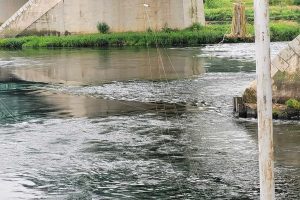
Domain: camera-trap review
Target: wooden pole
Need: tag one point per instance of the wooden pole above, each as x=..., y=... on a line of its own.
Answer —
x=239, y=23
x=264, y=100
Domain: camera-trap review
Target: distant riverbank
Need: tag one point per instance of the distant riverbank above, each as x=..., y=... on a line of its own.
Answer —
x=193, y=36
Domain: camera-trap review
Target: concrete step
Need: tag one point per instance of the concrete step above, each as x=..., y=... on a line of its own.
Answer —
x=26, y=16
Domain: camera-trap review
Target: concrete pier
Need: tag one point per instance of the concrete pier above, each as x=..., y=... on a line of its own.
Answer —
x=9, y=7
x=285, y=72
x=80, y=17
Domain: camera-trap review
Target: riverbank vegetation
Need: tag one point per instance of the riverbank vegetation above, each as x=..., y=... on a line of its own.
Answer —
x=193, y=36
x=224, y=14
x=220, y=11
x=284, y=15
x=284, y=27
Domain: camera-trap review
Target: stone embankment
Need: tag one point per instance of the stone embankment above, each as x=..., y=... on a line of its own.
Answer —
x=285, y=72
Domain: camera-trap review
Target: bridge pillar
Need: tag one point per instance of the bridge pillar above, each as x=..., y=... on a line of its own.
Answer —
x=79, y=17
x=9, y=7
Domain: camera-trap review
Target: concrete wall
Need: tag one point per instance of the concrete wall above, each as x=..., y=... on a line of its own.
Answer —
x=9, y=7
x=285, y=74
x=26, y=16
x=77, y=16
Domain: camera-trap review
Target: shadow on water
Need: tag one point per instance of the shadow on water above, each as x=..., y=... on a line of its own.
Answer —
x=22, y=101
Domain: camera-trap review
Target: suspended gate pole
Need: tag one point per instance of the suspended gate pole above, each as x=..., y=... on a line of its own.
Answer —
x=264, y=100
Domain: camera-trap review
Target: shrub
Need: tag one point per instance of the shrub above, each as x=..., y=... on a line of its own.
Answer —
x=293, y=103
x=103, y=27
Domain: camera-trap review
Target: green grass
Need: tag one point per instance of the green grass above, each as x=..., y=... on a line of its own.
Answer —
x=276, y=13
x=189, y=37
x=284, y=31
x=221, y=10
x=228, y=3
x=216, y=11
x=284, y=15
x=209, y=34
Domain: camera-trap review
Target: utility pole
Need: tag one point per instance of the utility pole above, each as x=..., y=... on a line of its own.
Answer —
x=264, y=100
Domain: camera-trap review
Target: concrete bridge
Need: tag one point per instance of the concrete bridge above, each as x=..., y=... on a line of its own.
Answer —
x=58, y=17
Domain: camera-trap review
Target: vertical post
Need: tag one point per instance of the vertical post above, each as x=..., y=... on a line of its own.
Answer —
x=239, y=23
x=264, y=100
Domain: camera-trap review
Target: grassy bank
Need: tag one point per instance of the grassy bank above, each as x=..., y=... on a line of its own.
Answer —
x=221, y=10
x=193, y=36
x=224, y=14
x=284, y=27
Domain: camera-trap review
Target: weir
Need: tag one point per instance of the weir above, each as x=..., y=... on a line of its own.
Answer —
x=59, y=17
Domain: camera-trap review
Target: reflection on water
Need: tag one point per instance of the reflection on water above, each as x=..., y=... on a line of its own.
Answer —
x=139, y=139
x=84, y=67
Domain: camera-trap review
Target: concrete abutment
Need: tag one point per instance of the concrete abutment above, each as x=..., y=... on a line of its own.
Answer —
x=81, y=17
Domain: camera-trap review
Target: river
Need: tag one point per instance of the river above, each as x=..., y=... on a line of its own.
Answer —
x=135, y=123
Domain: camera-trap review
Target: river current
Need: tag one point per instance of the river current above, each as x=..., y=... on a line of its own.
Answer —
x=135, y=123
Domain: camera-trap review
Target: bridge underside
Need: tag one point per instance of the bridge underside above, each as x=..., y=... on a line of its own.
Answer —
x=77, y=16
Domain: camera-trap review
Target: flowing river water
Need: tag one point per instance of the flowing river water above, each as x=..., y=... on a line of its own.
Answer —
x=135, y=124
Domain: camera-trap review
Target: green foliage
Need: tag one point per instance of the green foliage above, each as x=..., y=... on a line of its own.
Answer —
x=284, y=2
x=293, y=103
x=284, y=31
x=276, y=13
x=217, y=3
x=228, y=3
x=296, y=2
x=195, y=27
x=103, y=27
x=208, y=34
x=14, y=43
x=218, y=14
x=193, y=36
